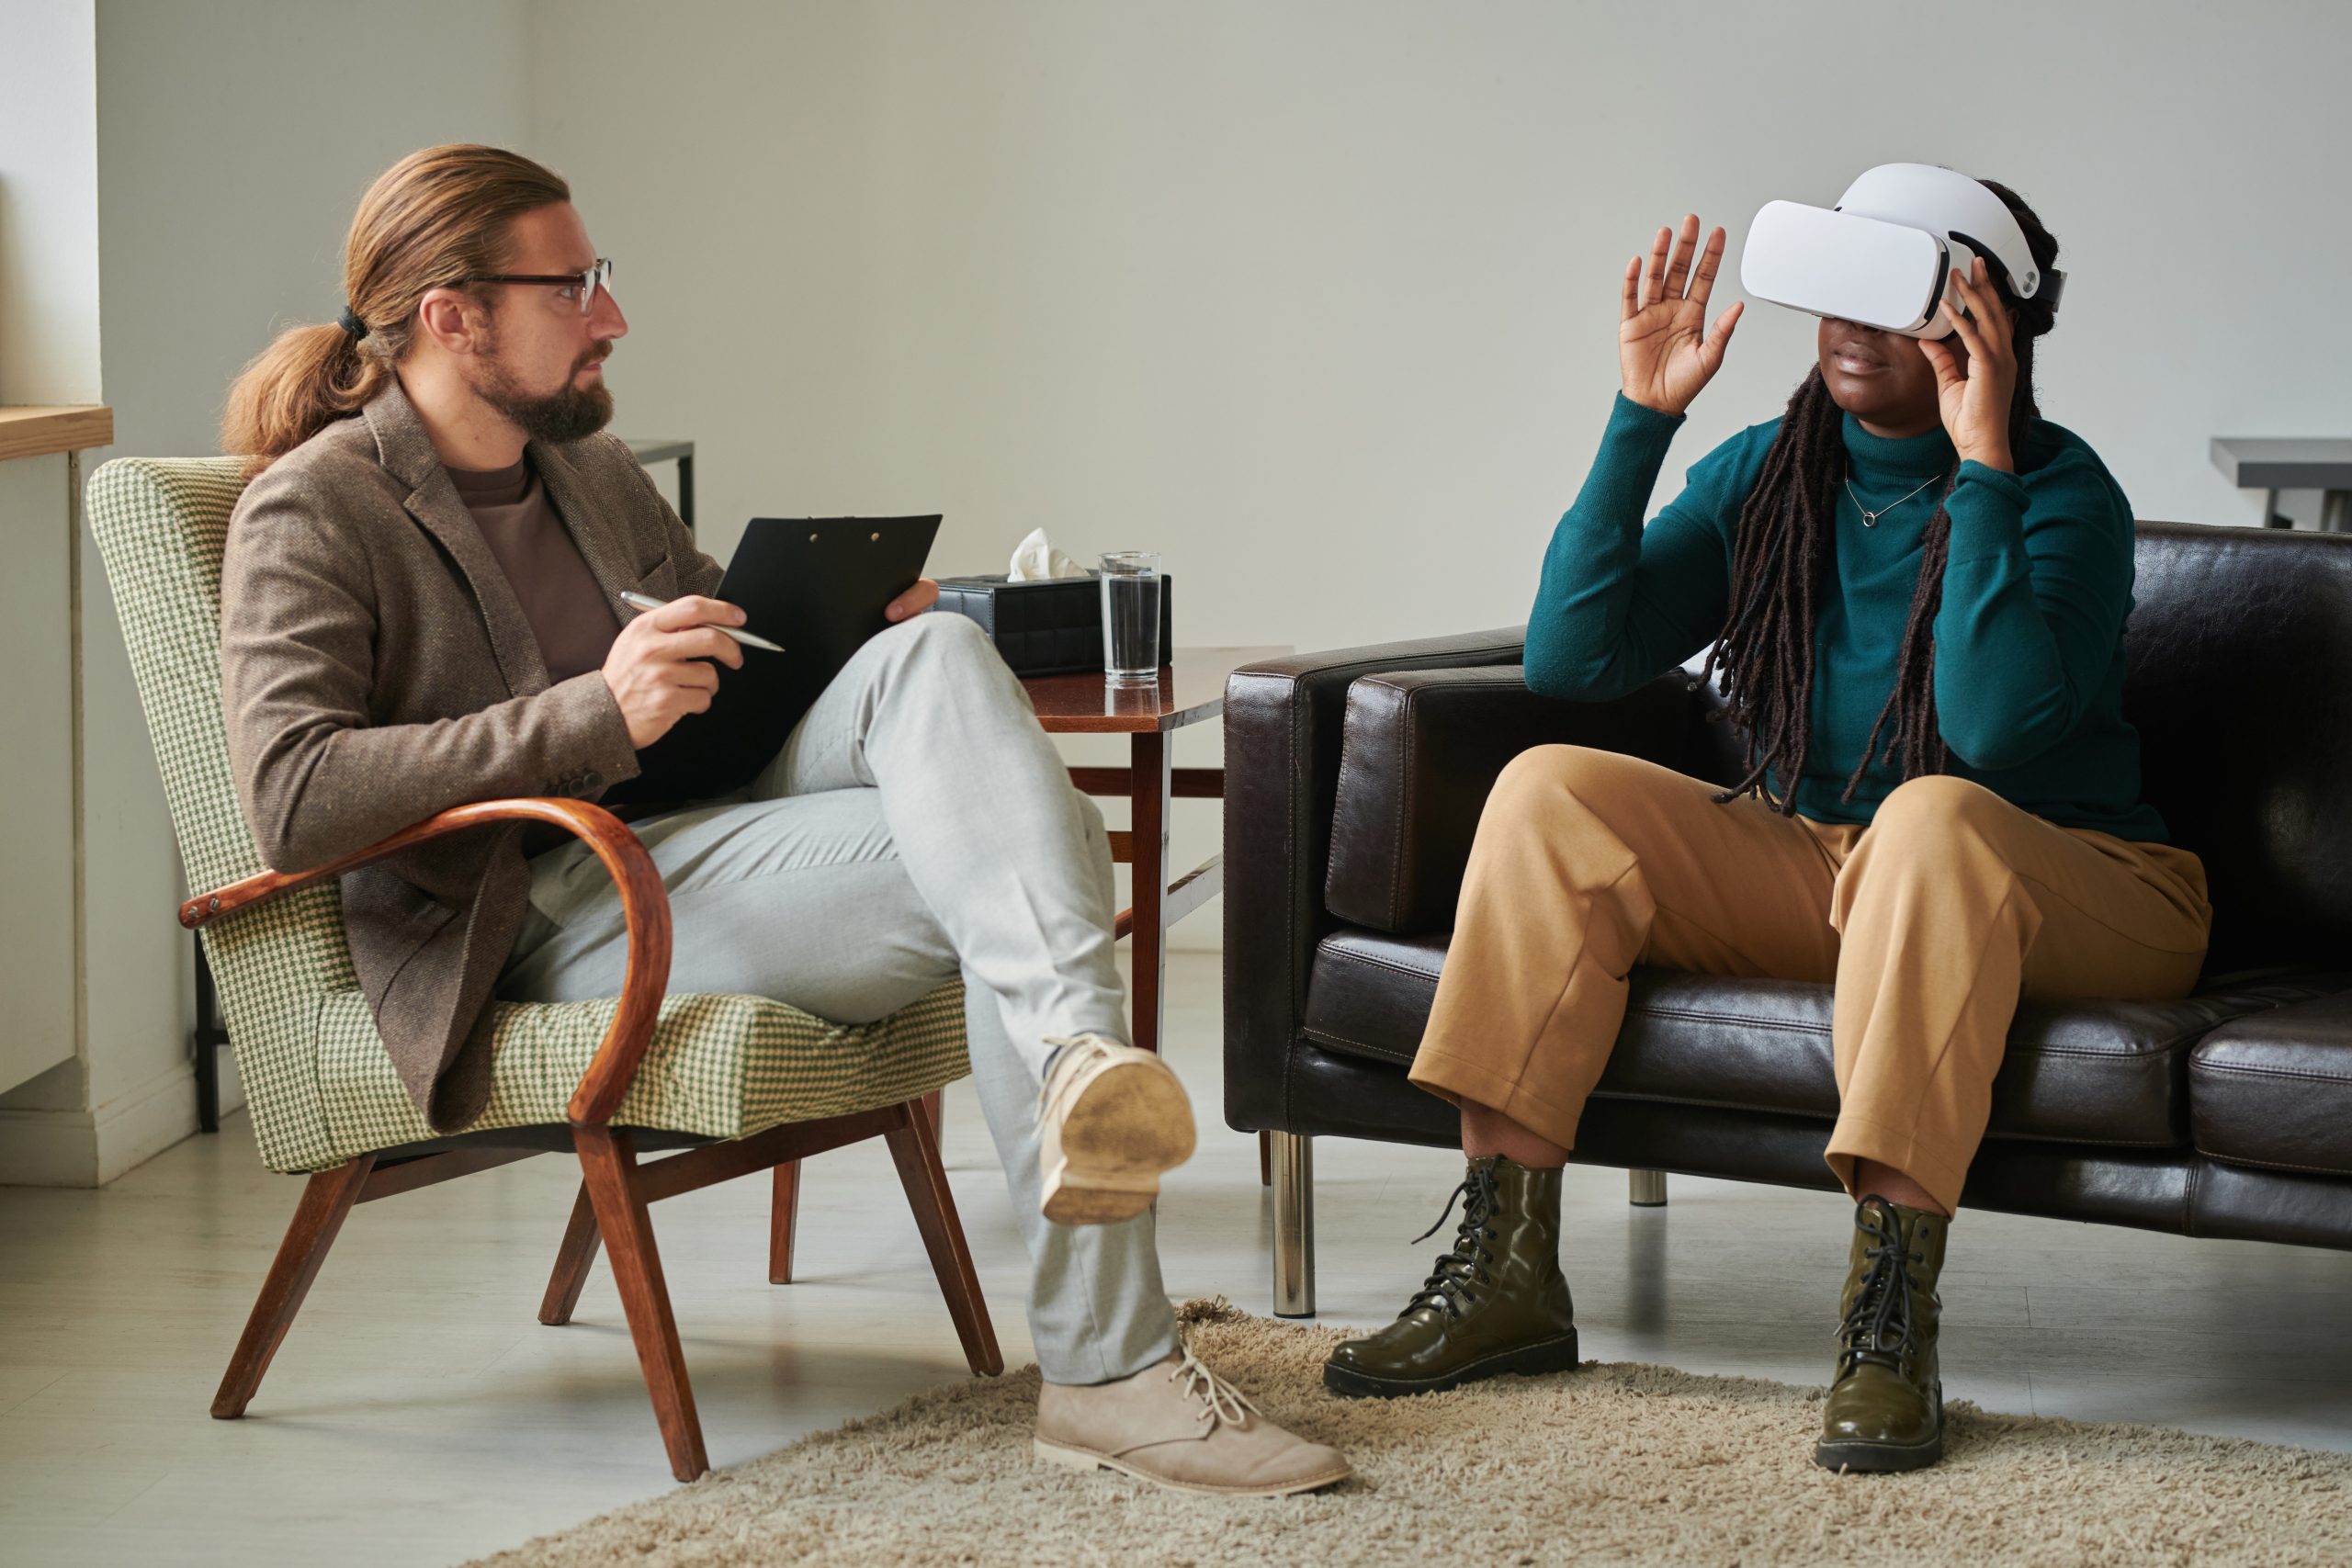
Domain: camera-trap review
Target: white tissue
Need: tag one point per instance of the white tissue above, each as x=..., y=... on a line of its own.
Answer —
x=1036, y=557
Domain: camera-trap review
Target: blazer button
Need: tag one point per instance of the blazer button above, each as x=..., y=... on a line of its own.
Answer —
x=591, y=781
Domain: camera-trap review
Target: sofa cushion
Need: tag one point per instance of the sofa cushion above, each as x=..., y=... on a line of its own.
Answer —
x=2076, y=1072
x=2276, y=1089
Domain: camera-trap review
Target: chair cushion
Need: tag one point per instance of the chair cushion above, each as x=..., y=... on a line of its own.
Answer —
x=2078, y=1072
x=720, y=1067
x=2276, y=1089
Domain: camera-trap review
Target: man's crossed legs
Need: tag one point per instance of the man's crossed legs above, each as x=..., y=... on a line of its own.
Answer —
x=918, y=826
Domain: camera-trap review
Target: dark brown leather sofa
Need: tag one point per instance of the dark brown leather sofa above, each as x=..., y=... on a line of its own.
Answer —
x=1353, y=785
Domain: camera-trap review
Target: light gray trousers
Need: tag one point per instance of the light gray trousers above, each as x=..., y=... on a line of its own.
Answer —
x=917, y=825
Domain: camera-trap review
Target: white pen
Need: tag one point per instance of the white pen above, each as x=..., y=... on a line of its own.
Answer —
x=647, y=601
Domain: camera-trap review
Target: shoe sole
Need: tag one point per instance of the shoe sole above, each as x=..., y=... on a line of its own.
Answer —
x=1531, y=1360
x=1882, y=1459
x=1088, y=1460
x=1132, y=1123
x=1878, y=1459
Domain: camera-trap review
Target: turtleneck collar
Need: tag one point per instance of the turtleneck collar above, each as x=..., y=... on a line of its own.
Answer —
x=1913, y=457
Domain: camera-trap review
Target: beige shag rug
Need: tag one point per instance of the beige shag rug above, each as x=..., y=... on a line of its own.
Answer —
x=1613, y=1464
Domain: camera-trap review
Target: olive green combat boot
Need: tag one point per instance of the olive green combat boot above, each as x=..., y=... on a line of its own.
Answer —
x=1496, y=1303
x=1886, y=1408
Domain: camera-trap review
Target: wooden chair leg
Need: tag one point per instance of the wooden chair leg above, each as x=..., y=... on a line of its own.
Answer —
x=573, y=1261
x=782, y=1213
x=608, y=1162
x=326, y=1202
x=1265, y=1159
x=914, y=1147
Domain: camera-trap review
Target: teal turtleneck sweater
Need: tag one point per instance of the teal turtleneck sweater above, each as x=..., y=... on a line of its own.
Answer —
x=2029, y=666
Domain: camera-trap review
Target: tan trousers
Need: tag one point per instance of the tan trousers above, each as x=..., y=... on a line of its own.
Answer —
x=1931, y=920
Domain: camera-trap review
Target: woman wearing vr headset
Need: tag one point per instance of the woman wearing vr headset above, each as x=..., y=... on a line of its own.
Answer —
x=1916, y=587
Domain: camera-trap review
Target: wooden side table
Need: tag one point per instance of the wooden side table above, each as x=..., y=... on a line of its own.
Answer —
x=1190, y=689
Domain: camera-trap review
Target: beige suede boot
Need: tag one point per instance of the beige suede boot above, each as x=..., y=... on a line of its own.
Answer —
x=1110, y=1118
x=1178, y=1425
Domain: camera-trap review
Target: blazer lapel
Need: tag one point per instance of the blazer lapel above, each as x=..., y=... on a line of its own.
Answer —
x=407, y=454
x=609, y=560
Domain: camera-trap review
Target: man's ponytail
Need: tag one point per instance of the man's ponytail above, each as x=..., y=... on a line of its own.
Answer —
x=433, y=219
x=296, y=387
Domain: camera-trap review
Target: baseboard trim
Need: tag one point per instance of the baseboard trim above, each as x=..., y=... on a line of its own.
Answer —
x=85, y=1149
x=48, y=1148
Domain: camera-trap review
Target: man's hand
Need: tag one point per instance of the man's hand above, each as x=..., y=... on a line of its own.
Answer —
x=656, y=670
x=913, y=601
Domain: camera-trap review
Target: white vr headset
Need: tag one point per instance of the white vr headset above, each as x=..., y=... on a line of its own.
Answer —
x=1883, y=256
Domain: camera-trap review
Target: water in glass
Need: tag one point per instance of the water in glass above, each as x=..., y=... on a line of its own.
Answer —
x=1131, y=615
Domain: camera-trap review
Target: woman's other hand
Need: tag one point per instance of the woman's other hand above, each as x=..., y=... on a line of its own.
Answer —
x=1974, y=390
x=1664, y=349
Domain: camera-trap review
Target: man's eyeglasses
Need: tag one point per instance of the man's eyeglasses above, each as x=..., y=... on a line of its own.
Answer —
x=582, y=284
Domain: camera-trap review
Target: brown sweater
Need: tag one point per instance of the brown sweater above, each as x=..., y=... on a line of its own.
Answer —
x=560, y=599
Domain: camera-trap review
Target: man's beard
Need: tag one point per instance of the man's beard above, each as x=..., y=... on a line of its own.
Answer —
x=569, y=413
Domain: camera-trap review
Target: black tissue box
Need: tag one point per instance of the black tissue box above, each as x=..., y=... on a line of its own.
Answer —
x=1049, y=626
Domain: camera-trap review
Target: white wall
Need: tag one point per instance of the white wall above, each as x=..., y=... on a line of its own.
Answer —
x=1318, y=297
x=49, y=352
x=48, y=203
x=234, y=140
x=232, y=143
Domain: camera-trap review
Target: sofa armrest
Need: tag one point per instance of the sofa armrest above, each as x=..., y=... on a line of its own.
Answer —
x=1420, y=752
x=1282, y=720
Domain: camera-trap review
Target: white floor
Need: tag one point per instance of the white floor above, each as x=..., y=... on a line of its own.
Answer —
x=418, y=1414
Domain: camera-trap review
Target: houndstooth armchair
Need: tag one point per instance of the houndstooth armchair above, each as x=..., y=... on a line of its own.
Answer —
x=739, y=1083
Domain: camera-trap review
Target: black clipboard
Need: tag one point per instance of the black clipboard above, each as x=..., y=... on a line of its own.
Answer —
x=816, y=585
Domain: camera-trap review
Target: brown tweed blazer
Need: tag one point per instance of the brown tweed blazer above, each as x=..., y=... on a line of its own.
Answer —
x=377, y=667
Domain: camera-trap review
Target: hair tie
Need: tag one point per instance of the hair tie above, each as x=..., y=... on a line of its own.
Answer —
x=353, y=324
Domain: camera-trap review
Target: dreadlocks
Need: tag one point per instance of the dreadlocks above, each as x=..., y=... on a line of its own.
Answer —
x=1783, y=549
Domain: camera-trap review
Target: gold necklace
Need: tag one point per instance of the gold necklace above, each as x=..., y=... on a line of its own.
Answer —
x=1870, y=518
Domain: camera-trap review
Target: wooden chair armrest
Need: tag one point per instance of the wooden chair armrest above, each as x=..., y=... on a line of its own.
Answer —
x=645, y=909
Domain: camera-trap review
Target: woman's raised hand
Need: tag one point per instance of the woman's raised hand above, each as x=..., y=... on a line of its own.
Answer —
x=1664, y=349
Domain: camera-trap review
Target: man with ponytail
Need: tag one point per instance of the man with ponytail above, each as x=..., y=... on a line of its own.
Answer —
x=420, y=608
x=1909, y=552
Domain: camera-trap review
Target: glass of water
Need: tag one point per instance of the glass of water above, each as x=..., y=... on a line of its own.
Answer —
x=1131, y=616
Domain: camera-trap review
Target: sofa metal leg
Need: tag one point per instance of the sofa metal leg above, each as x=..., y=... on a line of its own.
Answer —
x=1294, y=1160
x=1648, y=1188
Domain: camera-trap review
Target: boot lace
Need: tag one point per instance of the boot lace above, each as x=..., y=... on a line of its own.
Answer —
x=1467, y=1264
x=1881, y=1327
x=1221, y=1401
